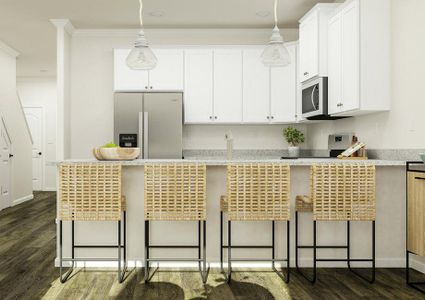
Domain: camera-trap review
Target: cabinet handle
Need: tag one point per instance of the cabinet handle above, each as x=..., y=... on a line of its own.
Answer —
x=268, y=117
x=272, y=117
x=305, y=73
x=215, y=117
x=211, y=117
x=151, y=87
x=420, y=178
x=146, y=87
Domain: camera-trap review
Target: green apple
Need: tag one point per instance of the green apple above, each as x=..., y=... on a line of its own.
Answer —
x=110, y=145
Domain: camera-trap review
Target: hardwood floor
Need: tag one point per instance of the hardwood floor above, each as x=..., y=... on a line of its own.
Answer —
x=27, y=252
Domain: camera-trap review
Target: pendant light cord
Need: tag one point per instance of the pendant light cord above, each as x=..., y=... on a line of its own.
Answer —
x=141, y=12
x=275, y=13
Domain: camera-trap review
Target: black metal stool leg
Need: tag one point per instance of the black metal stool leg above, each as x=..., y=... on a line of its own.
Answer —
x=64, y=277
x=122, y=271
x=221, y=241
x=147, y=267
x=297, y=247
x=229, y=251
x=372, y=279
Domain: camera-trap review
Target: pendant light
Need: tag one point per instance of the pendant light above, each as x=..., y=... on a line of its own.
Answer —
x=276, y=54
x=141, y=56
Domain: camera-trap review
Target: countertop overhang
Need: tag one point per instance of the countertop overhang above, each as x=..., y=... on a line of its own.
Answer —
x=224, y=162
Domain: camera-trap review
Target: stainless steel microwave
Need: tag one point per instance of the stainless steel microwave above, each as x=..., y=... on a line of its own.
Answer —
x=315, y=98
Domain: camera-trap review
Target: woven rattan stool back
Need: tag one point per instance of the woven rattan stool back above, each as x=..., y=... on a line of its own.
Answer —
x=258, y=192
x=175, y=192
x=343, y=192
x=90, y=192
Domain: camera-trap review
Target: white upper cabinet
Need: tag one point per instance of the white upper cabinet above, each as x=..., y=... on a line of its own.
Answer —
x=198, y=85
x=168, y=73
x=256, y=88
x=227, y=86
x=313, y=41
x=335, y=61
x=126, y=79
x=359, y=58
x=283, y=90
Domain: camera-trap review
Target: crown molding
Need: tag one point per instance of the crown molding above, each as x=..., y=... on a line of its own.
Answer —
x=65, y=24
x=8, y=50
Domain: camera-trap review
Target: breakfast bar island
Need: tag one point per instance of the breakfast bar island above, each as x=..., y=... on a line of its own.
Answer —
x=390, y=219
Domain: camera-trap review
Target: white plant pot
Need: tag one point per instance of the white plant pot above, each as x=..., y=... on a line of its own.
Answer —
x=293, y=151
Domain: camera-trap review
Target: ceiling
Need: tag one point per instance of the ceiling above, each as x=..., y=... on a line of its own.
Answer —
x=25, y=26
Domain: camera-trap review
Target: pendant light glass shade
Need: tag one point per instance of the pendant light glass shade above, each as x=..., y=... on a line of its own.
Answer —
x=141, y=56
x=276, y=54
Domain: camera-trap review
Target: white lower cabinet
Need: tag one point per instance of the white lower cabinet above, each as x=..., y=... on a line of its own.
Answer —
x=198, y=86
x=256, y=88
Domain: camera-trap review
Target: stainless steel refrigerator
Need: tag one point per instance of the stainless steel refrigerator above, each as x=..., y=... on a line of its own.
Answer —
x=151, y=121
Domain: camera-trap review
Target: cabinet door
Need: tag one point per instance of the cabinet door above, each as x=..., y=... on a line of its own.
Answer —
x=227, y=86
x=198, y=86
x=283, y=90
x=416, y=212
x=168, y=73
x=334, y=65
x=309, y=47
x=350, y=57
x=256, y=88
x=126, y=79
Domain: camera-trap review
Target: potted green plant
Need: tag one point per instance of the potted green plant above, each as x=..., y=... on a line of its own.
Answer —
x=293, y=137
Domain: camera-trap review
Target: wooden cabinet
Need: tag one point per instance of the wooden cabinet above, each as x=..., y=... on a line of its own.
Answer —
x=359, y=74
x=283, y=90
x=198, y=86
x=167, y=75
x=227, y=86
x=313, y=41
x=416, y=212
x=256, y=88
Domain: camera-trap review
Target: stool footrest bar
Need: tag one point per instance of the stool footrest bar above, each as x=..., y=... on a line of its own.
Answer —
x=173, y=259
x=321, y=247
x=97, y=246
x=257, y=259
x=174, y=246
x=249, y=246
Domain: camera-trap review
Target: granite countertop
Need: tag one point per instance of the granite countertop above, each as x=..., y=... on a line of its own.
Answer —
x=222, y=162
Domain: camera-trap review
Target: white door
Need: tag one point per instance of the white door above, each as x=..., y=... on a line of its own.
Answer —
x=227, y=86
x=334, y=64
x=309, y=47
x=256, y=88
x=283, y=89
x=5, y=166
x=198, y=86
x=126, y=79
x=350, y=57
x=34, y=117
x=168, y=73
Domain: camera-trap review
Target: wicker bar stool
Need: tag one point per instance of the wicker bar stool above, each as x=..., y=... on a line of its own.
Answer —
x=176, y=192
x=91, y=192
x=339, y=192
x=255, y=192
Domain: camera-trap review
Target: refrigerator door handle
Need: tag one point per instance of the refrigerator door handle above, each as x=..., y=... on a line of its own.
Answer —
x=145, y=135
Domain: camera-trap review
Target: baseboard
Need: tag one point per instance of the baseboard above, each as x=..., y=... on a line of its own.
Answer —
x=380, y=263
x=49, y=189
x=22, y=200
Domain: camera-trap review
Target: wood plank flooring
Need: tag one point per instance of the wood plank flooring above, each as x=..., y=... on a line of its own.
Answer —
x=27, y=253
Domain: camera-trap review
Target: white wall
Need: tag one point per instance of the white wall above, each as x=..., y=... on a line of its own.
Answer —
x=21, y=178
x=92, y=87
x=41, y=92
x=402, y=127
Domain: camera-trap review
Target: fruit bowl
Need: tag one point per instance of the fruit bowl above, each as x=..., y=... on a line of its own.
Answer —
x=116, y=153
